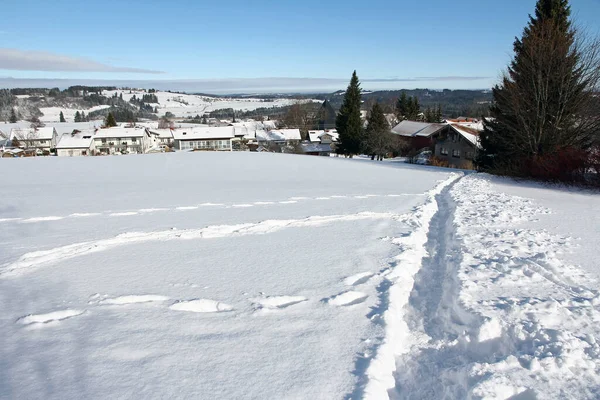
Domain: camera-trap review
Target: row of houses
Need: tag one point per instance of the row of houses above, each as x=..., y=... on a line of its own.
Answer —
x=139, y=139
x=454, y=142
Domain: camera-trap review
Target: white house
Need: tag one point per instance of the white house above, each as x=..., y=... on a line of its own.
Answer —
x=204, y=138
x=279, y=136
x=42, y=139
x=76, y=144
x=323, y=136
x=161, y=137
x=122, y=140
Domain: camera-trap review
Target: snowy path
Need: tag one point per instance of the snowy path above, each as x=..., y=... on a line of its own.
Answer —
x=494, y=312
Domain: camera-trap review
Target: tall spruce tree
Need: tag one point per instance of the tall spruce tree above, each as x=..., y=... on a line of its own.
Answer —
x=402, y=107
x=13, y=116
x=62, y=117
x=377, y=134
x=110, y=120
x=348, y=122
x=538, y=115
x=77, y=117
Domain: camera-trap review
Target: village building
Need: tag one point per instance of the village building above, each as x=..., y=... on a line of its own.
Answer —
x=419, y=135
x=204, y=138
x=122, y=140
x=316, y=149
x=76, y=144
x=161, y=137
x=42, y=140
x=458, y=146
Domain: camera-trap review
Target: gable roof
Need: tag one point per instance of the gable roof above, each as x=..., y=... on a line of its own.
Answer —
x=203, y=133
x=43, y=133
x=162, y=133
x=290, y=134
x=469, y=133
x=79, y=140
x=417, y=129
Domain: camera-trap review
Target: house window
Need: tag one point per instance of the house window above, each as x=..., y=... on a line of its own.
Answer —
x=444, y=151
x=456, y=153
x=133, y=140
x=469, y=155
x=103, y=140
x=42, y=142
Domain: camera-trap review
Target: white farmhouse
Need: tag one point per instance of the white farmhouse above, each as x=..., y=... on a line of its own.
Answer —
x=122, y=140
x=204, y=138
x=161, y=137
x=76, y=144
x=42, y=139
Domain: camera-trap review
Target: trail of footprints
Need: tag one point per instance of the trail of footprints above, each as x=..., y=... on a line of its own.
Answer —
x=146, y=211
x=261, y=304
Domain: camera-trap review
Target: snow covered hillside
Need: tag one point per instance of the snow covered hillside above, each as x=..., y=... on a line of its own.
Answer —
x=188, y=106
x=253, y=275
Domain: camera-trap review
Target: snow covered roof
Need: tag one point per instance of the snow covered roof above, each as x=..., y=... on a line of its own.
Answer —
x=287, y=134
x=270, y=136
x=120, y=132
x=162, y=133
x=68, y=127
x=469, y=133
x=314, y=136
x=80, y=140
x=222, y=132
x=43, y=133
x=417, y=129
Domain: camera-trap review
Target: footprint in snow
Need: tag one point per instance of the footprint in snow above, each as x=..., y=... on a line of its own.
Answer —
x=348, y=298
x=133, y=299
x=49, y=319
x=358, y=279
x=277, y=302
x=201, y=306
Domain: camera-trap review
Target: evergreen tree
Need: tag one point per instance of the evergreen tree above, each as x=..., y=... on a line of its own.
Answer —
x=414, y=109
x=402, y=107
x=110, y=121
x=438, y=114
x=62, y=117
x=13, y=116
x=540, y=111
x=348, y=122
x=77, y=117
x=377, y=135
x=83, y=117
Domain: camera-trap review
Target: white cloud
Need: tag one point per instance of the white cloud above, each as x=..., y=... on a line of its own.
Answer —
x=22, y=60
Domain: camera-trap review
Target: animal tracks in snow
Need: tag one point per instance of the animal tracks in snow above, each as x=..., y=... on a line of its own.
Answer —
x=133, y=299
x=348, y=298
x=358, y=279
x=277, y=302
x=195, y=207
x=201, y=306
x=52, y=318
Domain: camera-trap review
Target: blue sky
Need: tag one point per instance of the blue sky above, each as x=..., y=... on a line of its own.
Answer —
x=391, y=43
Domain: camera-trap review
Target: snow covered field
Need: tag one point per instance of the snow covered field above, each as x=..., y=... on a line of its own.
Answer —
x=52, y=114
x=188, y=105
x=251, y=275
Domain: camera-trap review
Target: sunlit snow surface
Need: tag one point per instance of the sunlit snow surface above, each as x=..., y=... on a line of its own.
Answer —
x=267, y=276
